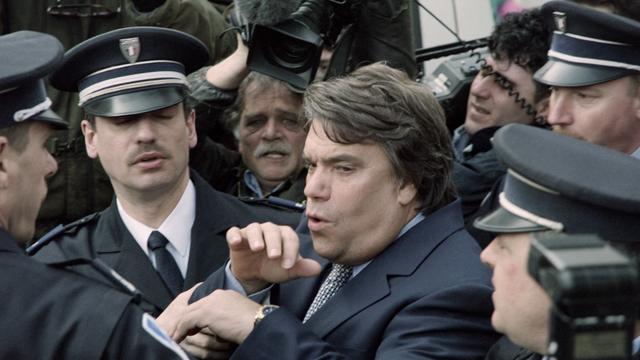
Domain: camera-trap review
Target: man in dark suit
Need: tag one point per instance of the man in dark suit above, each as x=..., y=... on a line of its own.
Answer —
x=388, y=252
x=48, y=312
x=164, y=230
x=560, y=184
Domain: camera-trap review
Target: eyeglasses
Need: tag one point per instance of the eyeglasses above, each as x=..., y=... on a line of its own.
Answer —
x=82, y=10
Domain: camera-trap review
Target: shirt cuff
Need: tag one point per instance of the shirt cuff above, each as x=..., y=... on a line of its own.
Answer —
x=231, y=283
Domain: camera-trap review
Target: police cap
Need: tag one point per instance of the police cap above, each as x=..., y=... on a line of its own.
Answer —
x=589, y=46
x=27, y=57
x=131, y=70
x=555, y=182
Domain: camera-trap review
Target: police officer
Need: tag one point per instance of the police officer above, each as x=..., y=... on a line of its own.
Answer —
x=594, y=73
x=81, y=186
x=554, y=183
x=49, y=312
x=165, y=229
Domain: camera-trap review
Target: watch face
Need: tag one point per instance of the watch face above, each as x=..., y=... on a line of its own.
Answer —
x=264, y=311
x=267, y=309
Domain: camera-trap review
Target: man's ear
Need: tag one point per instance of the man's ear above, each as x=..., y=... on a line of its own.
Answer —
x=636, y=103
x=191, y=128
x=4, y=147
x=90, y=139
x=407, y=193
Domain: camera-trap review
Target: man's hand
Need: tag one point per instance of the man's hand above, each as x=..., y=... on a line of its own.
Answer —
x=229, y=73
x=267, y=253
x=206, y=345
x=170, y=317
x=225, y=313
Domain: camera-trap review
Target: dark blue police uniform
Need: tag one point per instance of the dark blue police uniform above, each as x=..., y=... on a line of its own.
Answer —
x=49, y=312
x=132, y=71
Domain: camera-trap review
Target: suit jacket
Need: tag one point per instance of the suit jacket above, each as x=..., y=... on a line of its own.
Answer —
x=426, y=296
x=504, y=349
x=106, y=237
x=49, y=313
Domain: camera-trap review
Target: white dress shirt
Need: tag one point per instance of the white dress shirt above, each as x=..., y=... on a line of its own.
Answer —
x=176, y=228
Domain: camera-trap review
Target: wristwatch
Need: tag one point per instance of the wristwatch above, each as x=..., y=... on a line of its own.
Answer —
x=263, y=311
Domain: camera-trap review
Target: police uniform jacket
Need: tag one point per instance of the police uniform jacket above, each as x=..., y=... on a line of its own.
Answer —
x=105, y=236
x=50, y=313
x=426, y=296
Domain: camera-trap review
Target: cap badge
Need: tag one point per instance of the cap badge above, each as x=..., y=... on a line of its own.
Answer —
x=560, y=20
x=130, y=49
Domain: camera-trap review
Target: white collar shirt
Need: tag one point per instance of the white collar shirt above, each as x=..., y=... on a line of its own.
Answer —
x=176, y=228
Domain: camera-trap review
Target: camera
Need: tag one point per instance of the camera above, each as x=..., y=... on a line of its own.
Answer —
x=594, y=290
x=290, y=50
x=451, y=81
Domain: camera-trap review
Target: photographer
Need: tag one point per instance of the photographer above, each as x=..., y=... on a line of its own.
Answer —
x=288, y=44
x=518, y=48
x=265, y=117
x=553, y=183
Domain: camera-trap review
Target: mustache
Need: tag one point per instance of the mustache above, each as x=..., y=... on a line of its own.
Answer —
x=279, y=147
x=133, y=157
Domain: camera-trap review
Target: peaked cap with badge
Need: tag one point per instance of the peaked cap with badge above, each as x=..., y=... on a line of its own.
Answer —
x=589, y=46
x=555, y=182
x=131, y=70
x=27, y=57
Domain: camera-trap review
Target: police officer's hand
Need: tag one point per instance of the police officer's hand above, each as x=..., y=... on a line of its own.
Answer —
x=206, y=345
x=225, y=313
x=267, y=253
x=169, y=318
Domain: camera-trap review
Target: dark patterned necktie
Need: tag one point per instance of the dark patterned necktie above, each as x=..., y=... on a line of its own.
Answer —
x=338, y=276
x=165, y=263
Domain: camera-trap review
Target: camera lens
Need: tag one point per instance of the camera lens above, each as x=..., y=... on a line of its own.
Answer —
x=290, y=53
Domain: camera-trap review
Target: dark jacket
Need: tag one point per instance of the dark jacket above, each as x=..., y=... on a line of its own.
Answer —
x=476, y=168
x=105, y=236
x=425, y=296
x=504, y=349
x=49, y=313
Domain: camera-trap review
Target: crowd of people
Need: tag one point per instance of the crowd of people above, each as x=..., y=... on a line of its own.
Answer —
x=211, y=211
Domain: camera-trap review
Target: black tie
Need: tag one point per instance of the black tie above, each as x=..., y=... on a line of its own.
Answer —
x=165, y=263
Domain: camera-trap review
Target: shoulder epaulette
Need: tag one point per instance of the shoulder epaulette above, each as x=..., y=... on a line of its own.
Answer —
x=70, y=227
x=53, y=233
x=275, y=202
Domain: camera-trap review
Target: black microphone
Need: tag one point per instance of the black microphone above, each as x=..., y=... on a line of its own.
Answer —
x=266, y=12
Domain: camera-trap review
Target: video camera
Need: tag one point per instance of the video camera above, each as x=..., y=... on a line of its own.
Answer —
x=288, y=46
x=595, y=292
x=451, y=81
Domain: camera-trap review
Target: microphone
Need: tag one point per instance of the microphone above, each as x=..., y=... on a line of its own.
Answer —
x=266, y=12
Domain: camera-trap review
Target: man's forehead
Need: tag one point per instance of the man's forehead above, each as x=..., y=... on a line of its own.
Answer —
x=319, y=147
x=509, y=67
x=270, y=90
